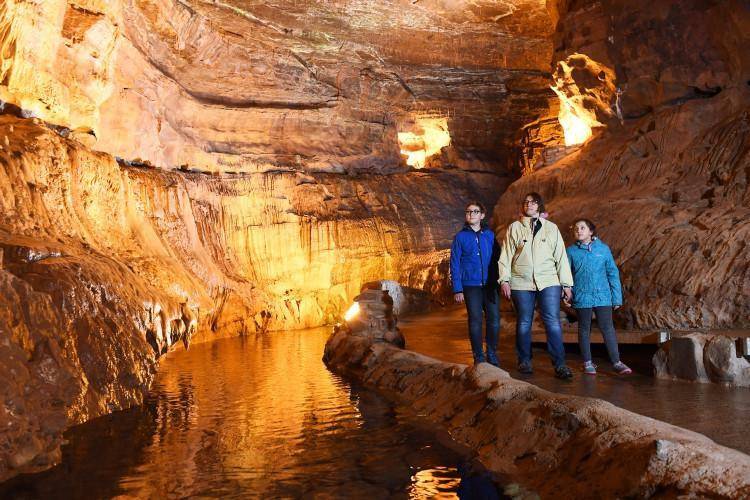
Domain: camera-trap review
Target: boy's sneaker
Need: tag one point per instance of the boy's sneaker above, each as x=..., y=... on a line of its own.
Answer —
x=589, y=368
x=525, y=368
x=622, y=369
x=563, y=372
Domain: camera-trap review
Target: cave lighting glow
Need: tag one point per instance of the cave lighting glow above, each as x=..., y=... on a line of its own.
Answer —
x=352, y=312
x=426, y=139
x=576, y=123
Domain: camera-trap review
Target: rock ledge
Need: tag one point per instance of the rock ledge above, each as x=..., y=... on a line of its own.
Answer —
x=547, y=442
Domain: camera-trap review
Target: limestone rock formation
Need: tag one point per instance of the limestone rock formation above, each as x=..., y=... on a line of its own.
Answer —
x=547, y=442
x=702, y=358
x=105, y=266
x=669, y=188
x=253, y=86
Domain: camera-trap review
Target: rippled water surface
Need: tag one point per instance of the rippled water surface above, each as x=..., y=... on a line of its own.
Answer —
x=253, y=417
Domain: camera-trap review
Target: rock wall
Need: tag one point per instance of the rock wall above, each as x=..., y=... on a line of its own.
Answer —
x=702, y=358
x=549, y=443
x=254, y=86
x=668, y=184
x=105, y=266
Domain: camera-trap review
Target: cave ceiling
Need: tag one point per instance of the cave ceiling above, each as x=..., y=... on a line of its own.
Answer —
x=308, y=85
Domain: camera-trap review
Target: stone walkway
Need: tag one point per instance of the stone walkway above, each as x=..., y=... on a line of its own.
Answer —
x=713, y=410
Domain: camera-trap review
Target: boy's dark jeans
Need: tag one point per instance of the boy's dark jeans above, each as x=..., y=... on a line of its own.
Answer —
x=483, y=300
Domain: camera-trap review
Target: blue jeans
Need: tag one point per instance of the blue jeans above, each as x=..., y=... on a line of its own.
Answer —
x=479, y=299
x=549, y=304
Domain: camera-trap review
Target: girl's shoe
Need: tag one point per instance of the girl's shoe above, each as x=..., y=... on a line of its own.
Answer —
x=621, y=368
x=589, y=368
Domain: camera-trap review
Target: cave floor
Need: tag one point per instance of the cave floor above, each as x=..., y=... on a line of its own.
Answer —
x=716, y=411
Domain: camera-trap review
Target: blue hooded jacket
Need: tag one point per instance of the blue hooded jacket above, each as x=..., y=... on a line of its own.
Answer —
x=471, y=257
x=595, y=274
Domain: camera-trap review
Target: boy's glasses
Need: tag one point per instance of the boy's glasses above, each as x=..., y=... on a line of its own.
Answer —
x=473, y=212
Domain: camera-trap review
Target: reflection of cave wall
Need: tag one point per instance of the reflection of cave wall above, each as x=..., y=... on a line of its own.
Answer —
x=668, y=187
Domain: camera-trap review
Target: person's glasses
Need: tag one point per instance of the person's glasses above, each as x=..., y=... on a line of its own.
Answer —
x=473, y=212
x=530, y=202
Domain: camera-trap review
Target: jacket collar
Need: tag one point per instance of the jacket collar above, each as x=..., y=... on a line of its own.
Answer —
x=586, y=247
x=526, y=221
x=482, y=228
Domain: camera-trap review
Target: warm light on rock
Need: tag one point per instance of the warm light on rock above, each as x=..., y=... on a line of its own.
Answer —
x=574, y=121
x=586, y=91
x=352, y=312
x=427, y=138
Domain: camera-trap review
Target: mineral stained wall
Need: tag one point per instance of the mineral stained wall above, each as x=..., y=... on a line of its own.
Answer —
x=667, y=179
x=178, y=170
x=105, y=266
x=254, y=86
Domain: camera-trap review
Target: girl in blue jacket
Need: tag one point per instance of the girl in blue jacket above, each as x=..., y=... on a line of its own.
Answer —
x=474, y=274
x=597, y=290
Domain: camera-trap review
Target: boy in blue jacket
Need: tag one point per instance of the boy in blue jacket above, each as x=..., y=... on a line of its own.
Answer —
x=474, y=274
x=597, y=290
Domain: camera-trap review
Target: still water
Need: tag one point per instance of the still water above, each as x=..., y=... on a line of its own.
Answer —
x=263, y=417
x=255, y=417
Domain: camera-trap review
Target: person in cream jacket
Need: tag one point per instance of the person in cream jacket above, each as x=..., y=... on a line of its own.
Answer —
x=533, y=267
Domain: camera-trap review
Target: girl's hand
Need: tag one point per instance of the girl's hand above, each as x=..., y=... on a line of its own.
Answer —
x=616, y=307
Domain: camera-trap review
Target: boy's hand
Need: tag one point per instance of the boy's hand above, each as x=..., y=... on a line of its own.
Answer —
x=459, y=297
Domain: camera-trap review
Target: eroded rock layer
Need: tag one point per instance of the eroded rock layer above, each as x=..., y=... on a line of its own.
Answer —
x=249, y=86
x=668, y=185
x=550, y=443
x=106, y=266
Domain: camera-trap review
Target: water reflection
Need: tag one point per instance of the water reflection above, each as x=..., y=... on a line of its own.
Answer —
x=254, y=417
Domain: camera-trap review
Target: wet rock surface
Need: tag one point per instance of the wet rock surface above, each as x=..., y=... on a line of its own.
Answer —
x=547, y=442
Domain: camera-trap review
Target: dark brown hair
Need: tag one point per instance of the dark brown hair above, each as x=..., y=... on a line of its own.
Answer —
x=590, y=225
x=482, y=209
x=537, y=198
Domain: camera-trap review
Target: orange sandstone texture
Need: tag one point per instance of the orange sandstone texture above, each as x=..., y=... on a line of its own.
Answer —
x=106, y=266
x=257, y=86
x=668, y=186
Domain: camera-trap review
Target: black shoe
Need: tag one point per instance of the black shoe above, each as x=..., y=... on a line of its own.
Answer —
x=563, y=372
x=525, y=368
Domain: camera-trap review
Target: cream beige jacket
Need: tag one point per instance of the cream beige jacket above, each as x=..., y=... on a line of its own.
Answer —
x=530, y=262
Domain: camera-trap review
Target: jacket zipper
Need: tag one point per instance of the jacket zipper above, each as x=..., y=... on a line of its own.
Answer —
x=533, y=236
x=481, y=263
